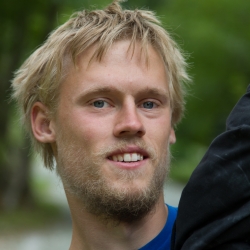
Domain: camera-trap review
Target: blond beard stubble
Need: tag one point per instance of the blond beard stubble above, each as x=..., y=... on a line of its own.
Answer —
x=81, y=176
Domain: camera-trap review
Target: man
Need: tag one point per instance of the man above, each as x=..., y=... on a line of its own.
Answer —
x=102, y=97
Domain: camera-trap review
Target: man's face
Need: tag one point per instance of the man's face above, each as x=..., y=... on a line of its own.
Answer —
x=113, y=130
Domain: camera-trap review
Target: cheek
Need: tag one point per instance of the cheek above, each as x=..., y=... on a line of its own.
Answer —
x=87, y=131
x=161, y=130
x=160, y=138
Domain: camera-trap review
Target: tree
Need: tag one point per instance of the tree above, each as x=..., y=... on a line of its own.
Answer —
x=25, y=25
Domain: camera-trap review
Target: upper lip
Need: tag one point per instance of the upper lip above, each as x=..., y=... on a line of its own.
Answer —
x=130, y=149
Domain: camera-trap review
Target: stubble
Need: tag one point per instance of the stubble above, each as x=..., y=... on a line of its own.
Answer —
x=82, y=177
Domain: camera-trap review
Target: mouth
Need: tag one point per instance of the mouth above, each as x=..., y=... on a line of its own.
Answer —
x=127, y=157
x=130, y=154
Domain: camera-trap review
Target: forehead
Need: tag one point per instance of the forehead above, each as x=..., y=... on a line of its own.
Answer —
x=121, y=65
x=122, y=52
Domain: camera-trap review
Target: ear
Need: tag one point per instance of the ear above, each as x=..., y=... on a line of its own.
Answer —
x=172, y=138
x=42, y=126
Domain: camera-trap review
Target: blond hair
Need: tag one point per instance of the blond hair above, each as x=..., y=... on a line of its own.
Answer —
x=39, y=78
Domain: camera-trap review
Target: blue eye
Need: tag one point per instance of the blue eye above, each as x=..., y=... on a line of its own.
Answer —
x=148, y=105
x=99, y=104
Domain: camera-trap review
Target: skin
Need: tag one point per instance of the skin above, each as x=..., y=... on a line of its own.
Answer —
x=100, y=104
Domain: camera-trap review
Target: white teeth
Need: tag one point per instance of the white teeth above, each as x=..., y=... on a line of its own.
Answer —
x=134, y=157
x=127, y=157
x=120, y=158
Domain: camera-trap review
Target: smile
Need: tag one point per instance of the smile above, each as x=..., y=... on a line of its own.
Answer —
x=127, y=157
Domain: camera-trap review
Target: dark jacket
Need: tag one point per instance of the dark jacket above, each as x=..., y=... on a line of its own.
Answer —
x=214, y=209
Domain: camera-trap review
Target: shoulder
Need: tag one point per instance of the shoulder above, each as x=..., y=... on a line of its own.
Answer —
x=172, y=212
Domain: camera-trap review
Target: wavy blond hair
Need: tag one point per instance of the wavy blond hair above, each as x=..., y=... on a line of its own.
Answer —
x=40, y=76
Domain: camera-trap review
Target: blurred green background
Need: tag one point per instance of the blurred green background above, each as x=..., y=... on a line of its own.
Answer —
x=215, y=35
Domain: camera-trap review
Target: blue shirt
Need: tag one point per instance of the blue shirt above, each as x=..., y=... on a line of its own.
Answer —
x=163, y=239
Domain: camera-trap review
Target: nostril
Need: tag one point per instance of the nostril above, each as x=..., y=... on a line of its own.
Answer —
x=132, y=132
x=141, y=133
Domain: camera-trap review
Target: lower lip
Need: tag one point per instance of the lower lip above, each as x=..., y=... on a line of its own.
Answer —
x=129, y=165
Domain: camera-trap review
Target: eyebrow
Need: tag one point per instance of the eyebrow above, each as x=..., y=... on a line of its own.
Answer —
x=94, y=91
x=97, y=90
x=154, y=91
x=149, y=91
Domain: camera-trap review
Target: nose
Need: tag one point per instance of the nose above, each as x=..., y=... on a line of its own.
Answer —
x=128, y=122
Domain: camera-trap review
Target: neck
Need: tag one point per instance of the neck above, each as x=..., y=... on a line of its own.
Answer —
x=91, y=232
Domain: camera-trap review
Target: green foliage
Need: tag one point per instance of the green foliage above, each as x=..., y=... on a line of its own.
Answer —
x=44, y=215
x=216, y=34
x=185, y=161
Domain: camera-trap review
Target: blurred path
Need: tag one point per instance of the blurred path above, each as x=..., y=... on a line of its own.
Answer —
x=58, y=237
x=172, y=192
